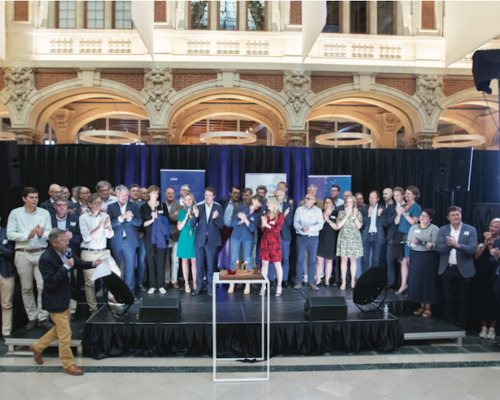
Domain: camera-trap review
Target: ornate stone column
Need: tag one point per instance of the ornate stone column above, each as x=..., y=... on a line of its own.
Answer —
x=27, y=136
x=411, y=143
x=160, y=136
x=424, y=140
x=295, y=137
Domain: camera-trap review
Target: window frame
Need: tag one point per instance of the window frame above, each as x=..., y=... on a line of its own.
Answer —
x=367, y=20
x=394, y=23
x=85, y=26
x=218, y=18
x=341, y=8
x=266, y=3
x=209, y=27
x=57, y=16
x=113, y=17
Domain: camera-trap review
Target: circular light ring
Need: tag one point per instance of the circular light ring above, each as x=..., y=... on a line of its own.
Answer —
x=344, y=139
x=228, y=137
x=465, y=141
x=7, y=136
x=119, y=137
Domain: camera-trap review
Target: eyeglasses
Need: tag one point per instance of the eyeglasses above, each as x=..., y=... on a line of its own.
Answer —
x=309, y=198
x=104, y=190
x=97, y=202
x=61, y=205
x=85, y=193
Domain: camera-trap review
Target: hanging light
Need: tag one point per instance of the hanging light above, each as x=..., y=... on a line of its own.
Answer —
x=458, y=141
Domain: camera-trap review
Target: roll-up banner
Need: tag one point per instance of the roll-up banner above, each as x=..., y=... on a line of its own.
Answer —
x=178, y=177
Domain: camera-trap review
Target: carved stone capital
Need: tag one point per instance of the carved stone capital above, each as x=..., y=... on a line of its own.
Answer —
x=425, y=140
x=158, y=85
x=297, y=85
x=411, y=142
x=160, y=136
x=429, y=91
x=27, y=136
x=19, y=82
x=295, y=137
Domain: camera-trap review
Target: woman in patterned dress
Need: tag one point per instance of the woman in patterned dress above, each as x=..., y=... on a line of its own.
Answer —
x=270, y=246
x=349, y=243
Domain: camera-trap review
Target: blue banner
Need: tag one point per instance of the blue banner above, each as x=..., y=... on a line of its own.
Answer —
x=325, y=182
x=178, y=177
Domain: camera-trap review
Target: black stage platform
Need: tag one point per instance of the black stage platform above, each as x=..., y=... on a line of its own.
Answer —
x=239, y=328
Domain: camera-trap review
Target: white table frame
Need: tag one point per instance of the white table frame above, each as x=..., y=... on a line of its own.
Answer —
x=266, y=283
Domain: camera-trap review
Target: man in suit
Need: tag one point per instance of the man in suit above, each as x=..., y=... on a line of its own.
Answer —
x=312, y=190
x=390, y=227
x=457, y=243
x=171, y=209
x=56, y=266
x=372, y=232
x=70, y=223
x=125, y=220
x=284, y=186
x=7, y=281
x=208, y=219
x=246, y=197
x=229, y=206
x=286, y=238
x=135, y=197
x=55, y=192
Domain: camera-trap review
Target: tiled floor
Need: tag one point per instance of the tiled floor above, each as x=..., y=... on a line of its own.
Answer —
x=429, y=371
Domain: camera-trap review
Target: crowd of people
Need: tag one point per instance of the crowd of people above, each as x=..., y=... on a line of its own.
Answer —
x=342, y=237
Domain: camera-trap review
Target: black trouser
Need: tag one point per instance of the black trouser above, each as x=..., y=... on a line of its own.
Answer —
x=456, y=296
x=156, y=264
x=496, y=288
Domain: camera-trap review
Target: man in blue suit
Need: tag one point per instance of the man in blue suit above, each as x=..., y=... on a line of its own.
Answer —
x=372, y=232
x=55, y=267
x=457, y=243
x=125, y=220
x=286, y=238
x=209, y=219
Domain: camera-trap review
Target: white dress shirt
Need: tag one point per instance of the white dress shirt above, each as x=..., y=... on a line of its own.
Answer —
x=313, y=218
x=21, y=223
x=455, y=234
x=105, y=204
x=88, y=222
x=373, y=221
x=208, y=210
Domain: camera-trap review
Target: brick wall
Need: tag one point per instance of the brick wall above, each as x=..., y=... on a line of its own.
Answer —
x=134, y=80
x=21, y=11
x=452, y=86
x=184, y=80
x=295, y=13
x=160, y=11
x=44, y=79
x=320, y=83
x=428, y=15
x=406, y=85
x=2, y=80
x=274, y=82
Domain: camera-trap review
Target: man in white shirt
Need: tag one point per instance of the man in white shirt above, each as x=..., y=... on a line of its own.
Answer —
x=372, y=232
x=104, y=189
x=95, y=228
x=308, y=222
x=334, y=194
x=29, y=227
x=83, y=194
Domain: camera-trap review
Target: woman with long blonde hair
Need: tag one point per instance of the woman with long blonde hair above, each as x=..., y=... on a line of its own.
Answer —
x=185, y=247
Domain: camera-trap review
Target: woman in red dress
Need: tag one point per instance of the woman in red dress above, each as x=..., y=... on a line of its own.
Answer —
x=270, y=246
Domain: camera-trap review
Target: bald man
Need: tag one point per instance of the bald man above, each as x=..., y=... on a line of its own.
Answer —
x=55, y=191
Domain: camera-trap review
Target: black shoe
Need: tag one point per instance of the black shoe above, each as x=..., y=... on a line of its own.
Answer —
x=73, y=317
x=31, y=325
x=46, y=324
x=142, y=288
x=209, y=292
x=337, y=284
x=285, y=284
x=196, y=292
x=273, y=284
x=4, y=337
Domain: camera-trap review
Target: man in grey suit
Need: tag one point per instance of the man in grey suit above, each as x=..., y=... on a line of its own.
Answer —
x=457, y=243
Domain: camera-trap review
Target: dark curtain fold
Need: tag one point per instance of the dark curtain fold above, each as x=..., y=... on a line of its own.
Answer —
x=239, y=340
x=226, y=165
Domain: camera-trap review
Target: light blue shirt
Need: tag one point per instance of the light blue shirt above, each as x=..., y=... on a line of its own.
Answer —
x=61, y=223
x=228, y=214
x=373, y=221
x=313, y=218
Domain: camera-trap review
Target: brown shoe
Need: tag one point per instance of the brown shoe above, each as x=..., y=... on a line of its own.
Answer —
x=175, y=285
x=73, y=370
x=36, y=355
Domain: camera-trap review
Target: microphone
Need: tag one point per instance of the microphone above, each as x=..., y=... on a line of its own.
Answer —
x=68, y=253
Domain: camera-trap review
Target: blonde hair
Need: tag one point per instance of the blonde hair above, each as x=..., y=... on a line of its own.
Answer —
x=273, y=205
x=353, y=201
x=192, y=197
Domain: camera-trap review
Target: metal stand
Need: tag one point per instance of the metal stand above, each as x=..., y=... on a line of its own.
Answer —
x=265, y=338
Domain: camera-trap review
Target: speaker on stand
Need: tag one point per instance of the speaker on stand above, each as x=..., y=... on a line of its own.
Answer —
x=455, y=167
x=9, y=164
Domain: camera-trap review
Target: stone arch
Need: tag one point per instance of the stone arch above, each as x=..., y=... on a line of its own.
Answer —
x=405, y=107
x=42, y=104
x=259, y=94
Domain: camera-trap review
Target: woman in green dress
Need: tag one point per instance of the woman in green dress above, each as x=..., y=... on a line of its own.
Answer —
x=185, y=247
x=349, y=243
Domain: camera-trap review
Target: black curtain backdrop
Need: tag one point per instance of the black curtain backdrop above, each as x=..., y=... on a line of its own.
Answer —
x=370, y=169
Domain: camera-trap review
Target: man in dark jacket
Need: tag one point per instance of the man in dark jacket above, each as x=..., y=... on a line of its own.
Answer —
x=55, y=268
x=7, y=281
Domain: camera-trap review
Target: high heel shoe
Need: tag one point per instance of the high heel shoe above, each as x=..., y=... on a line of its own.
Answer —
x=231, y=288
x=195, y=286
x=263, y=290
x=401, y=291
x=187, y=288
x=353, y=284
x=343, y=286
x=278, y=291
x=247, y=289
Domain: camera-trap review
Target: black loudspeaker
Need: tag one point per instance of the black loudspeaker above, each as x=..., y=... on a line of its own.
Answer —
x=326, y=308
x=369, y=286
x=157, y=309
x=455, y=166
x=9, y=164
